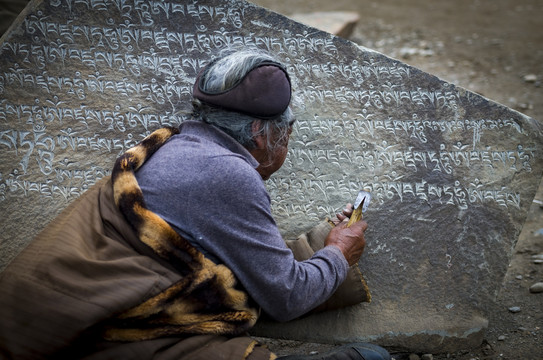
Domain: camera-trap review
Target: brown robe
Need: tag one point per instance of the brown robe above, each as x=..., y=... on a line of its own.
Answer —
x=89, y=287
x=85, y=267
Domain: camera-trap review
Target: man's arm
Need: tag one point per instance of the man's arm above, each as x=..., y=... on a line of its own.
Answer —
x=240, y=231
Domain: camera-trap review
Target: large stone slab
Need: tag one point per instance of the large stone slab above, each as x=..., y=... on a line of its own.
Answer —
x=452, y=173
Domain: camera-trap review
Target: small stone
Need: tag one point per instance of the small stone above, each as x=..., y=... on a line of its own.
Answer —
x=407, y=53
x=536, y=288
x=538, y=261
x=518, y=277
x=496, y=42
x=514, y=309
x=530, y=78
x=501, y=338
x=414, y=357
x=427, y=357
x=525, y=106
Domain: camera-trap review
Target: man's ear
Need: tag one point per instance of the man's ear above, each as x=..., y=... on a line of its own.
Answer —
x=260, y=140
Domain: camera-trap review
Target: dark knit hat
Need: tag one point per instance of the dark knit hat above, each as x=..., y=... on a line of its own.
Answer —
x=264, y=92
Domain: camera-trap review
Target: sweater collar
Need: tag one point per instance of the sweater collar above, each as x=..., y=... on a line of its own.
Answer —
x=216, y=135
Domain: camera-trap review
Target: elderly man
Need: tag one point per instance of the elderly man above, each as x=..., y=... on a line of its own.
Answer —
x=175, y=255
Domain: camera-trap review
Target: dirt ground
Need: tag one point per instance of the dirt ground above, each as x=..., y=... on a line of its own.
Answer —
x=492, y=47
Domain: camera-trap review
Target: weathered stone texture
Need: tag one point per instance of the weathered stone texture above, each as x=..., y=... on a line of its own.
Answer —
x=452, y=174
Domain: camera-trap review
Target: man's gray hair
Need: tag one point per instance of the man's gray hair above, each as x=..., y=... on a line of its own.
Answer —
x=221, y=76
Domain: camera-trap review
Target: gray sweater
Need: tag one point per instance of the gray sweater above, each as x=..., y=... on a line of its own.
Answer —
x=205, y=184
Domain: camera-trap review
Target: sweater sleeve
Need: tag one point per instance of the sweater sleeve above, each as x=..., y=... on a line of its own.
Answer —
x=232, y=221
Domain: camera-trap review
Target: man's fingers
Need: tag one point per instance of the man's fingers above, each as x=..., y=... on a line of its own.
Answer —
x=348, y=210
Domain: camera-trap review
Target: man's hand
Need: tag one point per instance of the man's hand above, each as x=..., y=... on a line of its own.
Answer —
x=350, y=240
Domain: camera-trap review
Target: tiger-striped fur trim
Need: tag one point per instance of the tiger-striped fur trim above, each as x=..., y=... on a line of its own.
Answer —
x=206, y=300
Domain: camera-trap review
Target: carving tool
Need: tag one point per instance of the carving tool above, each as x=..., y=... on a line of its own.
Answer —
x=360, y=205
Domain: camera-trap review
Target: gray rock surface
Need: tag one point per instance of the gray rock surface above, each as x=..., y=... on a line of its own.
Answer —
x=452, y=174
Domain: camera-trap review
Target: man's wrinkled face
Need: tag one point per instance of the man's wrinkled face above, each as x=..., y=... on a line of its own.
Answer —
x=276, y=158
